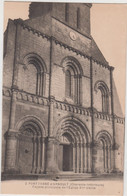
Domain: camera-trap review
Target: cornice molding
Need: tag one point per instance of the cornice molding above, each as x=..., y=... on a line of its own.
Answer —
x=25, y=26
x=34, y=99
x=88, y=4
x=119, y=119
x=38, y=33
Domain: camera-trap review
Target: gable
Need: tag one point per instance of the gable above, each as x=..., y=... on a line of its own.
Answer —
x=96, y=53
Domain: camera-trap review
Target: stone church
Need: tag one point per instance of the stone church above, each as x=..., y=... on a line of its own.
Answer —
x=61, y=111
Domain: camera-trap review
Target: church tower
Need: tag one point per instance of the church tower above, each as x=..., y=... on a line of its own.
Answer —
x=75, y=15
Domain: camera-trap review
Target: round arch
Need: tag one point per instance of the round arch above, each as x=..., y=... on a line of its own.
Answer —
x=33, y=58
x=75, y=125
x=74, y=155
x=73, y=79
x=102, y=86
x=104, y=151
x=31, y=120
x=73, y=63
x=105, y=135
x=30, y=145
x=33, y=71
x=104, y=97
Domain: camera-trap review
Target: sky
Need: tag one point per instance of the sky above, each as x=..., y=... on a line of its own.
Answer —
x=108, y=28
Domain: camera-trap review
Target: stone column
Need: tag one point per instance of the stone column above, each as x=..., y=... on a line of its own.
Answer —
x=89, y=157
x=12, y=112
x=34, y=155
x=76, y=89
x=42, y=167
x=80, y=89
x=104, y=156
x=81, y=158
x=84, y=158
x=43, y=84
x=14, y=79
x=74, y=154
x=96, y=148
x=109, y=158
x=115, y=148
x=11, y=152
x=11, y=135
x=39, y=155
x=77, y=157
x=113, y=119
x=51, y=165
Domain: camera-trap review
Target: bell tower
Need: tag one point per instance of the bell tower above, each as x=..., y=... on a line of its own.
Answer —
x=75, y=15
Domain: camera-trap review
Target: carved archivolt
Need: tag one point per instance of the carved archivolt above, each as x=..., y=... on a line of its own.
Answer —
x=76, y=128
x=32, y=123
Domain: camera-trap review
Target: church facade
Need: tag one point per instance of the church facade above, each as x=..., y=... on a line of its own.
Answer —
x=60, y=106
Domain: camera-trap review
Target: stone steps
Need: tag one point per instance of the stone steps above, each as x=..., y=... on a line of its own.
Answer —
x=74, y=176
x=61, y=176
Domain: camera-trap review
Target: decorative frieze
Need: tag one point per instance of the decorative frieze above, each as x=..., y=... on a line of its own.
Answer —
x=38, y=33
x=103, y=116
x=119, y=120
x=7, y=92
x=25, y=26
x=23, y=96
x=27, y=97
x=72, y=108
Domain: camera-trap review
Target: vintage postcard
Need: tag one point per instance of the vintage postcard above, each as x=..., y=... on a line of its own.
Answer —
x=63, y=116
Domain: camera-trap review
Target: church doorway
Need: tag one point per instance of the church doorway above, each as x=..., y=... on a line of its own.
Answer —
x=25, y=154
x=30, y=149
x=65, y=156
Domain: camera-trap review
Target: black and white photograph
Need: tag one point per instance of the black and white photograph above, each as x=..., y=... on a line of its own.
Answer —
x=63, y=91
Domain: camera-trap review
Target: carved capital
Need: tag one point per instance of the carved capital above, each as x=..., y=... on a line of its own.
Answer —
x=52, y=140
x=115, y=146
x=88, y=145
x=96, y=144
x=42, y=139
x=74, y=145
x=11, y=134
x=83, y=145
x=14, y=88
x=77, y=145
x=51, y=99
x=80, y=145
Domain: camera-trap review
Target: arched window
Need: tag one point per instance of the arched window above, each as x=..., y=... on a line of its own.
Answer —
x=103, y=155
x=102, y=89
x=66, y=12
x=73, y=79
x=31, y=77
x=78, y=18
x=68, y=84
